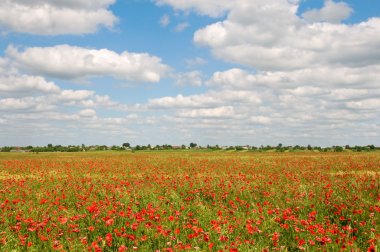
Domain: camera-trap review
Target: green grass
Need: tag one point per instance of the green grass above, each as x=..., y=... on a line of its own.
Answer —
x=195, y=200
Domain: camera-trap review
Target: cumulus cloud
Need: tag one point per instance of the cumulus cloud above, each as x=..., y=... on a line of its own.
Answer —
x=211, y=99
x=198, y=61
x=261, y=120
x=75, y=4
x=31, y=100
x=32, y=106
x=365, y=104
x=299, y=79
x=269, y=36
x=29, y=93
x=181, y=101
x=332, y=12
x=51, y=17
x=3, y=64
x=350, y=93
x=75, y=95
x=306, y=79
x=293, y=107
x=193, y=78
x=25, y=104
x=70, y=62
x=214, y=8
x=225, y=111
x=87, y=113
x=18, y=85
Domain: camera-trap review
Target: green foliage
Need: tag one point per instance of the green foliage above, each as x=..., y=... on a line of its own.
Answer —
x=6, y=149
x=193, y=145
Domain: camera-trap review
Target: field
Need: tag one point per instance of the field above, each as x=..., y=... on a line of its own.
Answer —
x=173, y=201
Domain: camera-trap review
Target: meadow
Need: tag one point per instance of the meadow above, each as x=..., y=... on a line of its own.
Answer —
x=189, y=200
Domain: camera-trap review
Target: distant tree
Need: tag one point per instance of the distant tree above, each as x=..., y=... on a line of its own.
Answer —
x=193, y=145
x=6, y=149
x=279, y=147
x=101, y=147
x=318, y=148
x=126, y=145
x=114, y=147
x=338, y=148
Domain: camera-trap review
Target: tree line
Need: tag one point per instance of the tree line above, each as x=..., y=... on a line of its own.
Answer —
x=191, y=146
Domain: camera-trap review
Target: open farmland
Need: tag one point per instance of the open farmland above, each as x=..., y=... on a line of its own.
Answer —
x=206, y=201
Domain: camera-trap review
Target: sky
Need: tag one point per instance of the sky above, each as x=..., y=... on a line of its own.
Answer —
x=226, y=72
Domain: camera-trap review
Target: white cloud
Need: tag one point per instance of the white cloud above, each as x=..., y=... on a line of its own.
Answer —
x=181, y=101
x=75, y=4
x=198, y=61
x=268, y=35
x=212, y=8
x=165, y=20
x=16, y=85
x=28, y=94
x=350, y=93
x=70, y=62
x=29, y=101
x=87, y=113
x=193, y=78
x=333, y=12
x=365, y=104
x=75, y=95
x=181, y=27
x=3, y=63
x=261, y=120
x=25, y=104
x=306, y=79
x=225, y=111
x=209, y=99
x=303, y=82
x=51, y=17
x=31, y=106
x=306, y=91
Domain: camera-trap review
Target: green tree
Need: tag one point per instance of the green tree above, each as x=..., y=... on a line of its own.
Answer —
x=193, y=145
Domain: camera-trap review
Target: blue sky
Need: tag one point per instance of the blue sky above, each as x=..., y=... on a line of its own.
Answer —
x=173, y=72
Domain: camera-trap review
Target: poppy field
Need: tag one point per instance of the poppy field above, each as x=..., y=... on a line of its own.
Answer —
x=190, y=201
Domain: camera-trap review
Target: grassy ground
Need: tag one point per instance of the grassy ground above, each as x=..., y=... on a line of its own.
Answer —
x=189, y=200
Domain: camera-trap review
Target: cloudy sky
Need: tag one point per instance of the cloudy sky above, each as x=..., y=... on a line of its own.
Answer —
x=225, y=72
